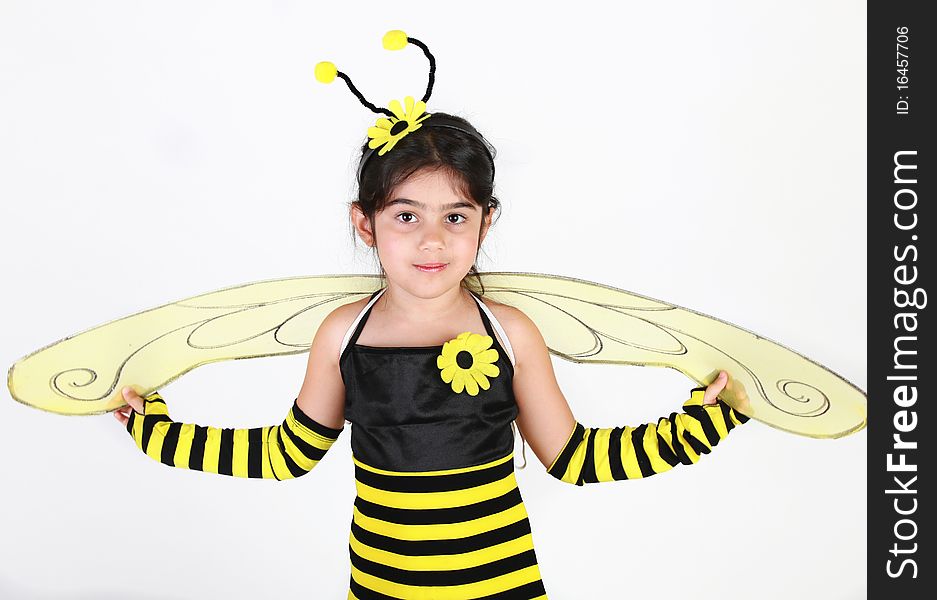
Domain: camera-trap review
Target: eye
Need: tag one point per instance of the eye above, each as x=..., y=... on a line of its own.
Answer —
x=463, y=217
x=405, y=214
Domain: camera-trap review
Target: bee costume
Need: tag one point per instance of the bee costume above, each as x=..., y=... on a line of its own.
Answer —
x=438, y=513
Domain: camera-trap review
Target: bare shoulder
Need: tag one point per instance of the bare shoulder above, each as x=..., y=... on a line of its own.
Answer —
x=522, y=332
x=332, y=330
x=322, y=396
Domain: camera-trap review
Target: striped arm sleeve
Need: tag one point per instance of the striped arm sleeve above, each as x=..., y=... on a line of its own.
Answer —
x=592, y=455
x=285, y=451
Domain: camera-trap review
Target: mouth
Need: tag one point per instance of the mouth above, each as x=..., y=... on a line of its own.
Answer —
x=431, y=267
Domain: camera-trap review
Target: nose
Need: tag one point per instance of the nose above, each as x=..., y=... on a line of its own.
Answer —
x=433, y=238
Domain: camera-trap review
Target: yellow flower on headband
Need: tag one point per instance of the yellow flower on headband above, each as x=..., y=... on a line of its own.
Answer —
x=390, y=131
x=467, y=362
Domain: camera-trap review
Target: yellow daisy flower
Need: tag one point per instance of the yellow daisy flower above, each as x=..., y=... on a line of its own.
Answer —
x=390, y=131
x=467, y=361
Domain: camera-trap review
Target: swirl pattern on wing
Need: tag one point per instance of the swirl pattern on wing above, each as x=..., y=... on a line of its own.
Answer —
x=581, y=321
x=80, y=374
x=588, y=322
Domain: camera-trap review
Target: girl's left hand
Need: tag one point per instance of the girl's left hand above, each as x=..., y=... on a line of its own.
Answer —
x=134, y=403
x=713, y=389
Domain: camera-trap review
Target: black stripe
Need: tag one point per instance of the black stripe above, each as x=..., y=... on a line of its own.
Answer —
x=726, y=414
x=168, y=452
x=270, y=453
x=664, y=450
x=587, y=473
x=697, y=445
x=312, y=424
x=150, y=421
x=471, y=543
x=637, y=441
x=534, y=589
x=308, y=450
x=197, y=454
x=741, y=417
x=226, y=452
x=709, y=429
x=433, y=516
x=294, y=469
x=255, y=453
x=363, y=593
x=442, y=578
x=562, y=463
x=676, y=443
x=436, y=483
x=614, y=454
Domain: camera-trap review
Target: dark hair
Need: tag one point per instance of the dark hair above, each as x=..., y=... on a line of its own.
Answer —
x=458, y=153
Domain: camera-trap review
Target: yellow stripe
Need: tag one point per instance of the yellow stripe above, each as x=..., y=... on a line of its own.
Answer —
x=696, y=429
x=652, y=448
x=603, y=468
x=449, y=592
x=294, y=452
x=577, y=460
x=443, y=562
x=184, y=447
x=276, y=455
x=308, y=435
x=629, y=460
x=446, y=499
x=212, y=450
x=138, y=431
x=441, y=531
x=735, y=418
x=680, y=422
x=715, y=415
x=665, y=429
x=239, y=454
x=155, y=445
x=266, y=471
x=487, y=465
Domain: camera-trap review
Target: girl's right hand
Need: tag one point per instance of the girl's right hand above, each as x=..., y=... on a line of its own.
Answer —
x=135, y=403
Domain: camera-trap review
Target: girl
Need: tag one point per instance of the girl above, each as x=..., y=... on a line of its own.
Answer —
x=432, y=377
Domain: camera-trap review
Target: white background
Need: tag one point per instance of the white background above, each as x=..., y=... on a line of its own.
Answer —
x=711, y=155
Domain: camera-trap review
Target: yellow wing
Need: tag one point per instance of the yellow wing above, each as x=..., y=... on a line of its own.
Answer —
x=581, y=321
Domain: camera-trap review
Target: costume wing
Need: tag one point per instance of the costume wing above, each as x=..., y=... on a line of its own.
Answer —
x=581, y=321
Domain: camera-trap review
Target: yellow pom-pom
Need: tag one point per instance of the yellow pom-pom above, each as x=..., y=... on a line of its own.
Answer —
x=394, y=40
x=325, y=72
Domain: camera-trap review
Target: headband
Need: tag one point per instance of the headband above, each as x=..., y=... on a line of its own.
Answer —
x=400, y=120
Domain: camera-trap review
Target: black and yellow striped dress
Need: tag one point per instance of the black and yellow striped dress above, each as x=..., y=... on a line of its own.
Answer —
x=438, y=513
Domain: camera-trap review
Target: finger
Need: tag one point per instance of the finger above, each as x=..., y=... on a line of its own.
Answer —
x=135, y=401
x=712, y=391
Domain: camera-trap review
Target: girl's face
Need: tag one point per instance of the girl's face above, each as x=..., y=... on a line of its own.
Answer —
x=426, y=221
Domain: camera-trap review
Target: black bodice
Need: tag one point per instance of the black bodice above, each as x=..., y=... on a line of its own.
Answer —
x=406, y=418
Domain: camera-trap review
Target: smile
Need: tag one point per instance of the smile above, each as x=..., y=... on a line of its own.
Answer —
x=431, y=267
